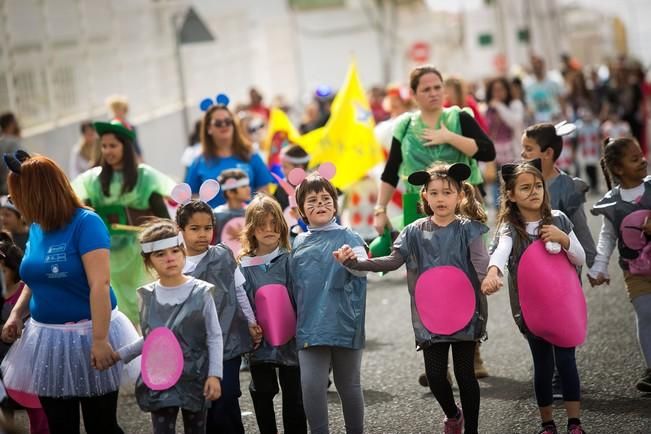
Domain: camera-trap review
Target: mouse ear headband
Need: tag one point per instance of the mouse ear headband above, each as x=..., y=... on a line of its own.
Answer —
x=15, y=161
x=182, y=193
x=508, y=170
x=458, y=171
x=220, y=100
x=296, y=176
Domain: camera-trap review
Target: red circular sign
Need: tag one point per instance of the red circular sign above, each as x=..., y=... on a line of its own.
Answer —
x=419, y=51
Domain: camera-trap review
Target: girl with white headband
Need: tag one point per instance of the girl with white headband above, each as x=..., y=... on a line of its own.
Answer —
x=184, y=305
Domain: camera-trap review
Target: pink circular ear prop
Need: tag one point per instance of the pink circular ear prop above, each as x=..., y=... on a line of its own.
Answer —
x=162, y=359
x=231, y=234
x=632, y=229
x=25, y=399
x=445, y=300
x=208, y=190
x=296, y=176
x=327, y=170
x=551, y=298
x=181, y=193
x=275, y=314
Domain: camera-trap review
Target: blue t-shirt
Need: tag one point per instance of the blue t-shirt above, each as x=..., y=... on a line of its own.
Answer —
x=53, y=269
x=202, y=169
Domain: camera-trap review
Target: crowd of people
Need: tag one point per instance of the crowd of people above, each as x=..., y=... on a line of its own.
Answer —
x=113, y=263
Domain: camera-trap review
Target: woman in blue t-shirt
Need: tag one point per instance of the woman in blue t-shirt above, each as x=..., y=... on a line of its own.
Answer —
x=224, y=147
x=65, y=348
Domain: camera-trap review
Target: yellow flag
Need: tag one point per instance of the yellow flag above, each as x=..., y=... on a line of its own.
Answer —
x=347, y=139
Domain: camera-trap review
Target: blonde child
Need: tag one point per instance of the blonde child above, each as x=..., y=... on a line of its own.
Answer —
x=264, y=260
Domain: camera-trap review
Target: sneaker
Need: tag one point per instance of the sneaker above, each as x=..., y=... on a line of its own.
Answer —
x=644, y=383
x=453, y=425
x=557, y=390
x=549, y=429
x=575, y=429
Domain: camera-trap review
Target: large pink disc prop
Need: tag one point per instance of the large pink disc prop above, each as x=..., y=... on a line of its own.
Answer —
x=25, y=399
x=275, y=314
x=551, y=298
x=233, y=225
x=162, y=359
x=632, y=229
x=445, y=300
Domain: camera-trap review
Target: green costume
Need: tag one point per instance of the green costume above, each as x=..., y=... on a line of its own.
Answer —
x=128, y=272
x=417, y=156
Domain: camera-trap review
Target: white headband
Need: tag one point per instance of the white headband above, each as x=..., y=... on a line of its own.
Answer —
x=163, y=244
x=232, y=185
x=296, y=160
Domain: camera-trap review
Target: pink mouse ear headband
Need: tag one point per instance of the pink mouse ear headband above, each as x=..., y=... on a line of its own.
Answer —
x=296, y=176
x=182, y=193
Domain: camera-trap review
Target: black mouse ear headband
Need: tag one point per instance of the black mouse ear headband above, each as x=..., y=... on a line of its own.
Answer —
x=509, y=169
x=14, y=162
x=458, y=171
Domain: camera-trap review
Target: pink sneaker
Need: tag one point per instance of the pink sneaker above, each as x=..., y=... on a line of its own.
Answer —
x=453, y=425
x=575, y=429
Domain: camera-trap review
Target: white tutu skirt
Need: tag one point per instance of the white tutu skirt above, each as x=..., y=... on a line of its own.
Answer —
x=54, y=360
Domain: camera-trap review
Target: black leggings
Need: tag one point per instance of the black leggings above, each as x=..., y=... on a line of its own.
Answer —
x=544, y=354
x=99, y=414
x=264, y=387
x=164, y=421
x=436, y=369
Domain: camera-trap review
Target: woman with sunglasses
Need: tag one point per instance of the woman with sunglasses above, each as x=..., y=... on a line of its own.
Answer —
x=124, y=193
x=225, y=147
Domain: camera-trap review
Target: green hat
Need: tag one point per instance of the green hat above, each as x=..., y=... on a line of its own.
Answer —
x=115, y=127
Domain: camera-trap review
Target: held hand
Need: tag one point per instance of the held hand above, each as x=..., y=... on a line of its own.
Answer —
x=256, y=335
x=344, y=253
x=599, y=280
x=12, y=329
x=380, y=221
x=101, y=354
x=554, y=234
x=212, y=389
x=492, y=282
x=434, y=137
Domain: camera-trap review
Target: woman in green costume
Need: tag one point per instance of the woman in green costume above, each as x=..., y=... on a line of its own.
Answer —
x=431, y=134
x=123, y=192
x=420, y=138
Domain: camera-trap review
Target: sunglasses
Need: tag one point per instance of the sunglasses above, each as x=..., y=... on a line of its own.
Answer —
x=218, y=123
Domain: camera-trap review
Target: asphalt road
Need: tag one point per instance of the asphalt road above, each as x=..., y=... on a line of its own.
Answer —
x=609, y=364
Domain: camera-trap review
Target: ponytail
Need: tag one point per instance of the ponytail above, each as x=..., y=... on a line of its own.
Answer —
x=470, y=205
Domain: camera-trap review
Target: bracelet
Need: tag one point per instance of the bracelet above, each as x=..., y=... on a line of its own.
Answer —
x=379, y=210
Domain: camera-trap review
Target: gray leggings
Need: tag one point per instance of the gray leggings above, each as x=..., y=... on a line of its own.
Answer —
x=642, y=305
x=315, y=364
